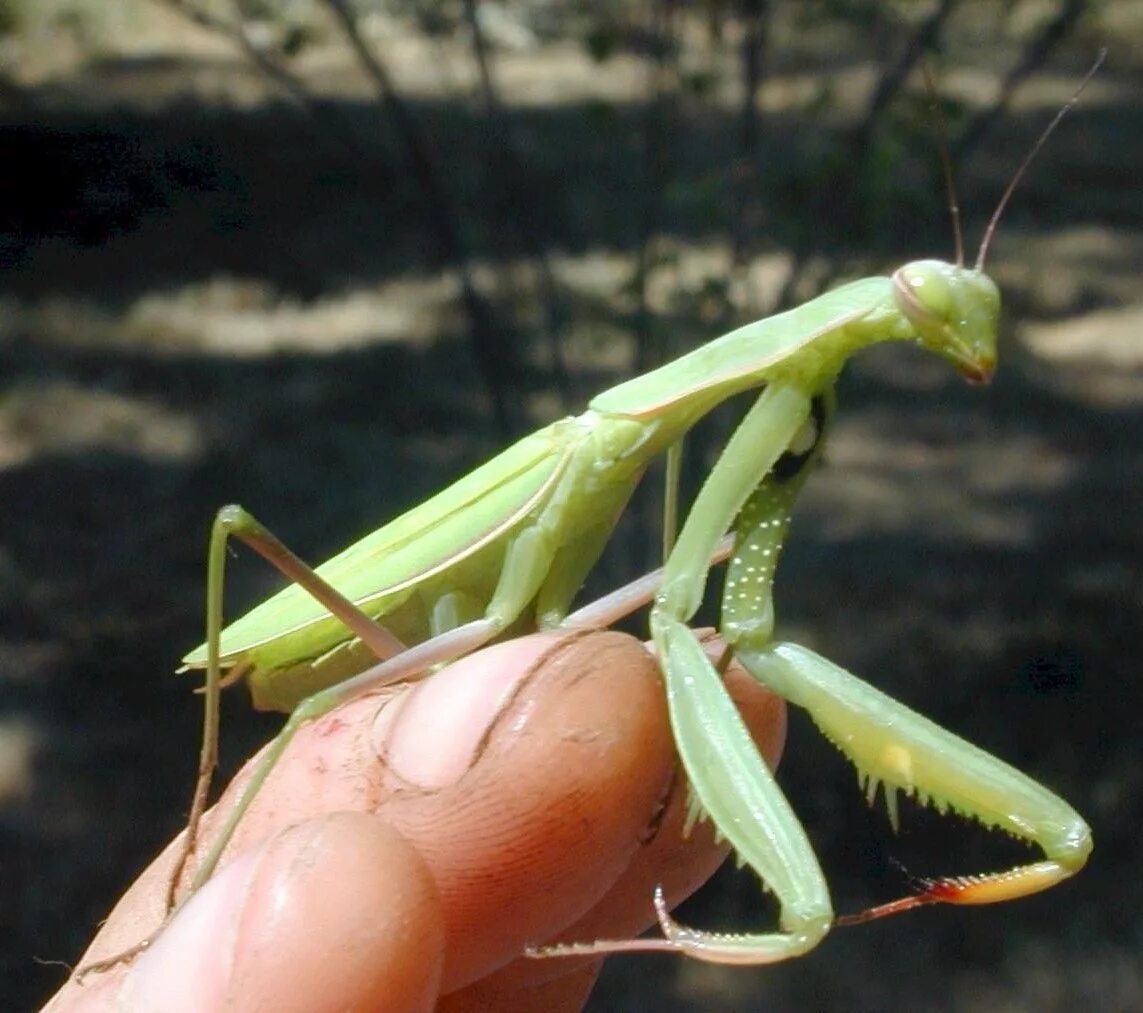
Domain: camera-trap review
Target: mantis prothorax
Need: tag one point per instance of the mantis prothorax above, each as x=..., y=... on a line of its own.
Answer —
x=509, y=545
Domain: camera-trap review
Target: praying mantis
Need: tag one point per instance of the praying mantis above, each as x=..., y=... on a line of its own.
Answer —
x=508, y=546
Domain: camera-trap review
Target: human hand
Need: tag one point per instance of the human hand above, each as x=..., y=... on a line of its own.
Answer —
x=408, y=847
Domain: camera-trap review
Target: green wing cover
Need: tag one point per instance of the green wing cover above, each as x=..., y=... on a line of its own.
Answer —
x=436, y=534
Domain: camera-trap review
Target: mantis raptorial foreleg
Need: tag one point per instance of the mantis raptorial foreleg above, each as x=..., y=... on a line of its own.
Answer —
x=900, y=749
x=737, y=791
x=889, y=743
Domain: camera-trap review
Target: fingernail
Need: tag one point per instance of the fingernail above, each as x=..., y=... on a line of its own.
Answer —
x=429, y=735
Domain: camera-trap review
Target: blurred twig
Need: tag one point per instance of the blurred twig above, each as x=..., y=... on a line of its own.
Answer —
x=659, y=116
x=329, y=122
x=894, y=75
x=748, y=217
x=1035, y=54
x=491, y=343
x=847, y=198
x=656, y=170
x=506, y=175
x=491, y=349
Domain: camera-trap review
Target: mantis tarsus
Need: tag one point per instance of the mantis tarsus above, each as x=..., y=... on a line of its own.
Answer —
x=509, y=545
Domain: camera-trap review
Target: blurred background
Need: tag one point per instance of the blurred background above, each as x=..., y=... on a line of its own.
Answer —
x=320, y=257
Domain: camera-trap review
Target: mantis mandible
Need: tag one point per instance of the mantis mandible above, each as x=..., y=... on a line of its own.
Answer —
x=509, y=545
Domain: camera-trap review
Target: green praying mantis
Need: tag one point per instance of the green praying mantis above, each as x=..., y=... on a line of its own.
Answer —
x=508, y=546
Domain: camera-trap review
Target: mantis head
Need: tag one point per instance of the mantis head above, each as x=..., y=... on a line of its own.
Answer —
x=954, y=311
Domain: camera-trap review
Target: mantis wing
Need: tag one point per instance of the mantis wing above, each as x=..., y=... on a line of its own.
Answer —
x=409, y=550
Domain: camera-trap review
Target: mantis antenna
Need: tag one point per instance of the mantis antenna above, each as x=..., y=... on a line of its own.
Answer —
x=1019, y=174
x=946, y=164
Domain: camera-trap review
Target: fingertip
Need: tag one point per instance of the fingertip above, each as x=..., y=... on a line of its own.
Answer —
x=338, y=912
x=568, y=778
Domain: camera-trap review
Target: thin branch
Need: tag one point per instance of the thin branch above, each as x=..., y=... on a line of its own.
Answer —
x=748, y=215
x=663, y=82
x=503, y=162
x=1035, y=55
x=491, y=347
x=327, y=119
x=895, y=75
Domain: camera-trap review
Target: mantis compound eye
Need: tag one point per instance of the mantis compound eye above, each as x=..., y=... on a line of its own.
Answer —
x=924, y=292
x=927, y=289
x=954, y=312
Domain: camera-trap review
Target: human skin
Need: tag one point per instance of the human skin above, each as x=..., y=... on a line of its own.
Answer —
x=412, y=843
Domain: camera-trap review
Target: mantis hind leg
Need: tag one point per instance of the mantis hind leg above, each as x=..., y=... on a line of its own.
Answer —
x=526, y=564
x=621, y=602
x=524, y=569
x=235, y=522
